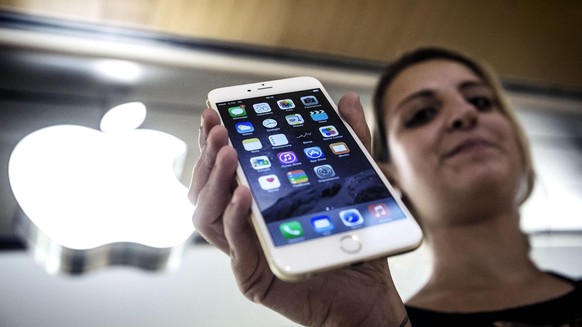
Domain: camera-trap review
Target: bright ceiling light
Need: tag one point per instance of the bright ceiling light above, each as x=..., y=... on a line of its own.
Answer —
x=119, y=70
x=90, y=194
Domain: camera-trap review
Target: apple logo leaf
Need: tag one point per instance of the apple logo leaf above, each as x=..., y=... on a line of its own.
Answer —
x=92, y=198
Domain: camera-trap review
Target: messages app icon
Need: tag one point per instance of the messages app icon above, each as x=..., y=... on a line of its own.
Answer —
x=237, y=111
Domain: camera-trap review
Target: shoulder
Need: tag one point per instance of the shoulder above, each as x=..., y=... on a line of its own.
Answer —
x=565, y=310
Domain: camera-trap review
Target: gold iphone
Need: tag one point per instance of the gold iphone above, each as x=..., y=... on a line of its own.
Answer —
x=319, y=200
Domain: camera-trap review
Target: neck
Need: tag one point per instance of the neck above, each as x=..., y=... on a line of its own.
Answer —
x=482, y=253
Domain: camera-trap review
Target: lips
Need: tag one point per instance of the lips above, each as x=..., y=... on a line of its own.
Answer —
x=467, y=146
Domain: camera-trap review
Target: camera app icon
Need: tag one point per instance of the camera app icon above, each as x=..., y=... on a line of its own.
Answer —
x=309, y=100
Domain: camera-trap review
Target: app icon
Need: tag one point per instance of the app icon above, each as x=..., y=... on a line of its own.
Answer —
x=309, y=100
x=291, y=229
x=297, y=177
x=237, y=111
x=351, y=217
x=322, y=224
x=294, y=119
x=324, y=171
x=244, y=127
x=269, y=182
x=379, y=210
x=252, y=144
x=328, y=131
x=318, y=115
x=260, y=162
x=270, y=123
x=313, y=152
x=261, y=107
x=286, y=104
x=287, y=157
x=339, y=148
x=278, y=139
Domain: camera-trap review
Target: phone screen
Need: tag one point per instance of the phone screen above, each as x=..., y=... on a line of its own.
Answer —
x=309, y=177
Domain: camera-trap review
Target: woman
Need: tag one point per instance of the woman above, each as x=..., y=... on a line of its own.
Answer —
x=446, y=138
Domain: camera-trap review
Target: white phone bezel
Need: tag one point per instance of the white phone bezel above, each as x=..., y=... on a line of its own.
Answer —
x=290, y=262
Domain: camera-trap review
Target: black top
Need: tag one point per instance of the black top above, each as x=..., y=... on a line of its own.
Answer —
x=564, y=311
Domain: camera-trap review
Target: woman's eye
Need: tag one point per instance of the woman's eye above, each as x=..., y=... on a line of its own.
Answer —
x=482, y=103
x=421, y=117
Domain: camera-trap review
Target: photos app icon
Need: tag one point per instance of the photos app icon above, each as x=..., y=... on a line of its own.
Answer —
x=286, y=104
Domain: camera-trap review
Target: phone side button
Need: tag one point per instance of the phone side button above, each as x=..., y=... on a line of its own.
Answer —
x=350, y=244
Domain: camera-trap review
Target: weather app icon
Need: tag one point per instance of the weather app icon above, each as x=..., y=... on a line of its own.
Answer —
x=244, y=127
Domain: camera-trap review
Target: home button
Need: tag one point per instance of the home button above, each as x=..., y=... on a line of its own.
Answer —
x=350, y=244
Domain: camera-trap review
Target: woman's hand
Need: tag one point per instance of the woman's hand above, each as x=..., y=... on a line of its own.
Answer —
x=356, y=296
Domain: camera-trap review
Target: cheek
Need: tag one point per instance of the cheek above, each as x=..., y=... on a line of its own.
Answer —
x=411, y=161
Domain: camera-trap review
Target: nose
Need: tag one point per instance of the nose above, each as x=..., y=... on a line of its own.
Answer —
x=463, y=116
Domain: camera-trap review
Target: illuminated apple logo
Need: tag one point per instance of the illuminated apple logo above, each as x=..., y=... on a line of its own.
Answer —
x=94, y=198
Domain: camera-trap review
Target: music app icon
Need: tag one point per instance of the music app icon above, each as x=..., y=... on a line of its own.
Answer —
x=379, y=210
x=287, y=157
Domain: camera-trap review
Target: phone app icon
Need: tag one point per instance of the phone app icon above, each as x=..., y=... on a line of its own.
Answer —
x=291, y=230
x=244, y=127
x=322, y=224
x=270, y=123
x=252, y=144
x=313, y=152
x=287, y=157
x=318, y=115
x=297, y=177
x=286, y=104
x=278, y=139
x=324, y=171
x=237, y=111
x=379, y=210
x=339, y=148
x=294, y=119
x=261, y=107
x=328, y=131
x=351, y=217
x=260, y=162
x=309, y=100
x=269, y=182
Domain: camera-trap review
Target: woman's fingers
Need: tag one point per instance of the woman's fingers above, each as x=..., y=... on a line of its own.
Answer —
x=211, y=188
x=208, y=120
x=352, y=111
